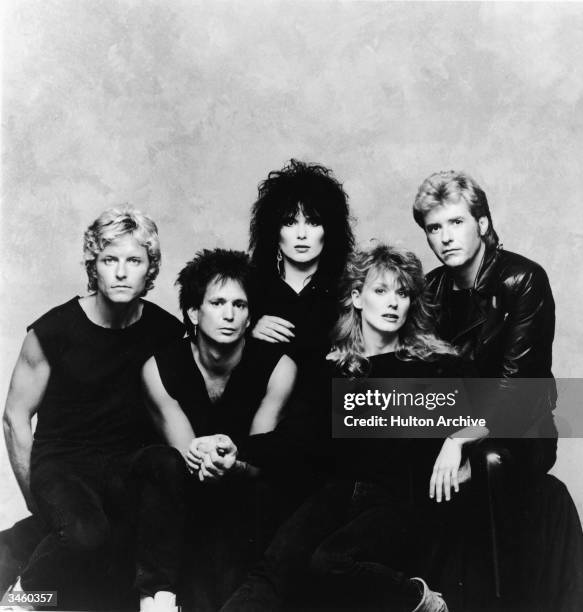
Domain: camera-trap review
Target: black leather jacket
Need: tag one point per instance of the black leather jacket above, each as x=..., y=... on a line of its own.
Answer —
x=509, y=330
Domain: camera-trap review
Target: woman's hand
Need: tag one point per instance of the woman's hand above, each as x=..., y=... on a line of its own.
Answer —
x=446, y=470
x=273, y=329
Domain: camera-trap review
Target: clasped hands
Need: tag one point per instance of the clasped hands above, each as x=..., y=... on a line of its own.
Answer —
x=211, y=457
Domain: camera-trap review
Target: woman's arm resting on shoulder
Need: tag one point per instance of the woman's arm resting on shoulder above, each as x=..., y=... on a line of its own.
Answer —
x=27, y=387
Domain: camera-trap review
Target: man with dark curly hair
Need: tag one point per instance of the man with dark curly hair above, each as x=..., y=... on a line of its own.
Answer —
x=207, y=393
x=79, y=372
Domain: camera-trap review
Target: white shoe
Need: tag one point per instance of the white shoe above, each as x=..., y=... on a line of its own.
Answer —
x=431, y=601
x=14, y=606
x=163, y=601
x=146, y=603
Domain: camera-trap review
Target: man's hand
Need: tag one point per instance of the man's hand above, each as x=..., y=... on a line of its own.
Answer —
x=197, y=450
x=211, y=457
x=446, y=470
x=273, y=329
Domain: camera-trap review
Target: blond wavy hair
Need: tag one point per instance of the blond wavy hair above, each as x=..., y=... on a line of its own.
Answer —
x=417, y=339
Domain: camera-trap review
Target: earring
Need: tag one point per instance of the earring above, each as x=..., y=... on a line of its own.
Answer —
x=194, y=329
x=279, y=263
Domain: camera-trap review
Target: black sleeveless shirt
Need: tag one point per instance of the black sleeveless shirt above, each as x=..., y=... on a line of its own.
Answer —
x=93, y=399
x=233, y=412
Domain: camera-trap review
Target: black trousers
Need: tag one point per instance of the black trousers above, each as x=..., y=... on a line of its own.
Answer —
x=97, y=505
x=357, y=537
x=16, y=546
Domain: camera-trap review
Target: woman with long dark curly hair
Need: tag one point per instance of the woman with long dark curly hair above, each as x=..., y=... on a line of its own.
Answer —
x=300, y=238
x=366, y=530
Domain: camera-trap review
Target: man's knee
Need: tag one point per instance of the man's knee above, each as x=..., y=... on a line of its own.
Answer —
x=162, y=464
x=85, y=534
x=325, y=562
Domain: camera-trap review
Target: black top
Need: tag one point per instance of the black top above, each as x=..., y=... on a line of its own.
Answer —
x=507, y=333
x=233, y=412
x=93, y=397
x=306, y=431
x=510, y=316
x=460, y=303
x=313, y=311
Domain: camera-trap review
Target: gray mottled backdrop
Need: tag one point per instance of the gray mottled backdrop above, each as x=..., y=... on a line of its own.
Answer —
x=182, y=107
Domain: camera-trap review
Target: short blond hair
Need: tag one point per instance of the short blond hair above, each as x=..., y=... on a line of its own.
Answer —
x=450, y=185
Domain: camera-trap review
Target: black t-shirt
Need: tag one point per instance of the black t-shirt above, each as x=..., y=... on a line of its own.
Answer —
x=93, y=397
x=233, y=412
x=313, y=311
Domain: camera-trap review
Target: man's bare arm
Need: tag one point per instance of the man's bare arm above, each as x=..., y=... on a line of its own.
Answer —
x=169, y=418
x=27, y=387
x=279, y=388
x=213, y=464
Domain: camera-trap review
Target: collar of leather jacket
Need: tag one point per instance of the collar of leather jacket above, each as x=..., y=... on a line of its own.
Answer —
x=485, y=279
x=483, y=294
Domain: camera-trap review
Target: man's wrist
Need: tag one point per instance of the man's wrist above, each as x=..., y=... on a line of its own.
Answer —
x=240, y=467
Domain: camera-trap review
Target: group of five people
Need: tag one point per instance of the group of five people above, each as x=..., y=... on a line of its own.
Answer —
x=239, y=399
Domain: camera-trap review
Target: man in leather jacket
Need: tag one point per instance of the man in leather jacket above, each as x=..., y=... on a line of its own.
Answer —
x=497, y=308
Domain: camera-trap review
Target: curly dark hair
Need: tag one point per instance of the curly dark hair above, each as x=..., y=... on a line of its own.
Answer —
x=205, y=267
x=313, y=189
